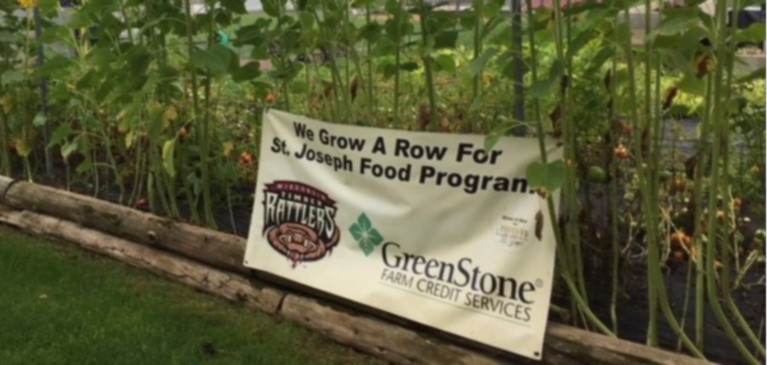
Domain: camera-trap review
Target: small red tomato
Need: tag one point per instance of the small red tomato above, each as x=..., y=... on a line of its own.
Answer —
x=246, y=158
x=677, y=239
x=271, y=98
x=621, y=152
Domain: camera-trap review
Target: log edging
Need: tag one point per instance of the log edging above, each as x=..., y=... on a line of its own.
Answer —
x=184, y=253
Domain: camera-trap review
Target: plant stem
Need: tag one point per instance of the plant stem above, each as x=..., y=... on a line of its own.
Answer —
x=427, y=64
x=719, y=122
x=194, y=86
x=569, y=192
x=478, y=9
x=700, y=279
x=336, y=75
x=112, y=161
x=647, y=194
x=726, y=203
x=4, y=142
x=397, y=61
x=686, y=305
x=43, y=93
x=137, y=175
x=207, y=202
x=231, y=209
x=370, y=59
x=613, y=198
x=562, y=254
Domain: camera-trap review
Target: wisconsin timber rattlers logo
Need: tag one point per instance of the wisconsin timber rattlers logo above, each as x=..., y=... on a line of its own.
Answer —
x=299, y=221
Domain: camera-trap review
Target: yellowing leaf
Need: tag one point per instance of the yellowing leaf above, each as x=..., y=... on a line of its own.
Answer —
x=122, y=122
x=168, y=159
x=130, y=137
x=7, y=103
x=228, y=148
x=153, y=106
x=170, y=115
x=22, y=148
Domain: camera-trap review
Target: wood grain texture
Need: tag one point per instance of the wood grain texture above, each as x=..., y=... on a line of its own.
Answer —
x=216, y=249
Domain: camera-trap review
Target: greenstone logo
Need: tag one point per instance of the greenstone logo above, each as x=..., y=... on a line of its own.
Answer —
x=366, y=236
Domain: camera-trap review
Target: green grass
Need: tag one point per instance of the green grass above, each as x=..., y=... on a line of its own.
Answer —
x=60, y=304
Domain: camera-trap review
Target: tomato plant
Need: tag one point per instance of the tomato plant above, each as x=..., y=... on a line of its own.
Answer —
x=157, y=104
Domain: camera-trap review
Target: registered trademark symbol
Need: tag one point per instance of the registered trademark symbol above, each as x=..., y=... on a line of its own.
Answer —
x=538, y=283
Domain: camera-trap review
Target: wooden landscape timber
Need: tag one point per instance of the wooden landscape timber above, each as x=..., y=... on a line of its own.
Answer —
x=211, y=262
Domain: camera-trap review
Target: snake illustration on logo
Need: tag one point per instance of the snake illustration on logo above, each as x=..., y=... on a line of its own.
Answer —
x=299, y=221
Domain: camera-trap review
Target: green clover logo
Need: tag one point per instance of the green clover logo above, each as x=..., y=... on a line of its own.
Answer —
x=367, y=236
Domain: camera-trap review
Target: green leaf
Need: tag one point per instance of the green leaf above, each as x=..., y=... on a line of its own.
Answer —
x=250, y=34
x=692, y=85
x=445, y=62
x=68, y=149
x=272, y=7
x=61, y=133
x=478, y=65
x=216, y=59
x=371, y=32
x=445, y=39
x=247, y=72
x=10, y=77
x=55, y=34
x=491, y=140
x=550, y=176
x=8, y=37
x=168, y=160
x=387, y=69
x=39, y=120
x=679, y=24
x=753, y=34
x=476, y=103
x=596, y=62
x=56, y=67
x=49, y=8
x=409, y=66
x=494, y=29
x=84, y=167
x=542, y=88
x=235, y=6
x=545, y=87
x=286, y=73
x=580, y=41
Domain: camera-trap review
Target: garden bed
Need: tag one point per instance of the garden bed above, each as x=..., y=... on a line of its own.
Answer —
x=167, y=119
x=210, y=261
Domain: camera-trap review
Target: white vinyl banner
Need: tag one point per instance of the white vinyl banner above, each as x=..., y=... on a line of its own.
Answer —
x=426, y=226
